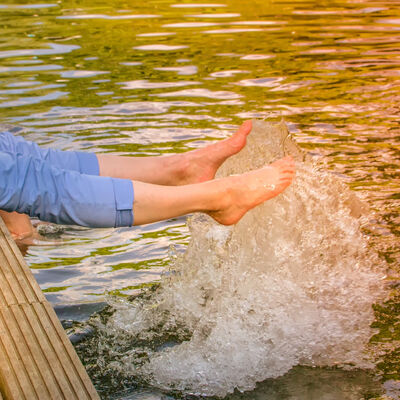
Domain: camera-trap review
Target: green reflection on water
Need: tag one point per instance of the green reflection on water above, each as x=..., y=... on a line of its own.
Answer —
x=55, y=289
x=119, y=292
x=147, y=264
x=62, y=261
x=388, y=338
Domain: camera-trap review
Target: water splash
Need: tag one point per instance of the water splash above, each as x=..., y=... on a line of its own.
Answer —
x=291, y=284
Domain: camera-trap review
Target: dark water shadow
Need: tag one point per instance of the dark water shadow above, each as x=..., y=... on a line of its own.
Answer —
x=300, y=383
x=304, y=383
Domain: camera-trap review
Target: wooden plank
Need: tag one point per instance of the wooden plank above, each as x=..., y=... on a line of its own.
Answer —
x=76, y=369
x=22, y=264
x=37, y=360
x=20, y=335
x=55, y=378
x=80, y=370
x=9, y=286
x=19, y=381
x=78, y=389
x=14, y=269
x=8, y=381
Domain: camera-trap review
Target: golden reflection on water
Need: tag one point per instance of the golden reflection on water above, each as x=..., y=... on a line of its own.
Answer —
x=157, y=77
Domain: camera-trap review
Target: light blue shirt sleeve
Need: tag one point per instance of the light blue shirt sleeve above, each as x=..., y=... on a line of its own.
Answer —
x=33, y=186
x=85, y=163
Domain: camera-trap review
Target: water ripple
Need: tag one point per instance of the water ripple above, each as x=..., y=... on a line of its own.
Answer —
x=24, y=101
x=189, y=25
x=258, y=23
x=27, y=6
x=262, y=82
x=257, y=57
x=155, y=34
x=30, y=89
x=186, y=70
x=160, y=47
x=82, y=74
x=144, y=84
x=213, y=94
x=196, y=5
x=54, y=49
x=24, y=62
x=109, y=17
x=50, y=67
x=226, y=15
x=227, y=73
x=233, y=30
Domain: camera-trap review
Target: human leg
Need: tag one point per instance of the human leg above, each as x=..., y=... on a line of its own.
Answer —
x=179, y=169
x=32, y=186
x=226, y=200
x=83, y=162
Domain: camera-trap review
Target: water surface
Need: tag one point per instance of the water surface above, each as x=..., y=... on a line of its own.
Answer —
x=164, y=77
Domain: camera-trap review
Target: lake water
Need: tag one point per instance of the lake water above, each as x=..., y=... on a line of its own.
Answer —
x=159, y=77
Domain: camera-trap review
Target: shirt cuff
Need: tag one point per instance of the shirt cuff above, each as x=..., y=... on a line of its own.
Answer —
x=124, y=197
x=88, y=163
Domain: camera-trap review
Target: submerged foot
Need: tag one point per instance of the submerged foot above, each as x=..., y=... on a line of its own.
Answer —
x=201, y=165
x=244, y=192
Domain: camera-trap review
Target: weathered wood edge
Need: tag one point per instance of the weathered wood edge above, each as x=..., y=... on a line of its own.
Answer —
x=37, y=360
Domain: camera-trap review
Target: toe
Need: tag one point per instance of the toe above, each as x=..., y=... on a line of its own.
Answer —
x=245, y=128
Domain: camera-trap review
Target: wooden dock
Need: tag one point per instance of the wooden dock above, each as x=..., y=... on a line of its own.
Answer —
x=37, y=360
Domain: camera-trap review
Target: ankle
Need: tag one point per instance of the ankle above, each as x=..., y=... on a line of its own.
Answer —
x=221, y=195
x=178, y=167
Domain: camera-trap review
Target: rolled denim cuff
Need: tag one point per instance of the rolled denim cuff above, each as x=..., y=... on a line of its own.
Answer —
x=124, y=197
x=88, y=163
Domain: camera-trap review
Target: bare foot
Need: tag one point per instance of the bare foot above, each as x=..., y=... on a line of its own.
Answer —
x=241, y=193
x=201, y=165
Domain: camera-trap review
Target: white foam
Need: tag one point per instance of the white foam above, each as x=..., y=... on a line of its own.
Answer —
x=292, y=283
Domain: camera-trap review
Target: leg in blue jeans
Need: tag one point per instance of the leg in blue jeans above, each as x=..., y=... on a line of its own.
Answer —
x=32, y=185
x=195, y=166
x=173, y=170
